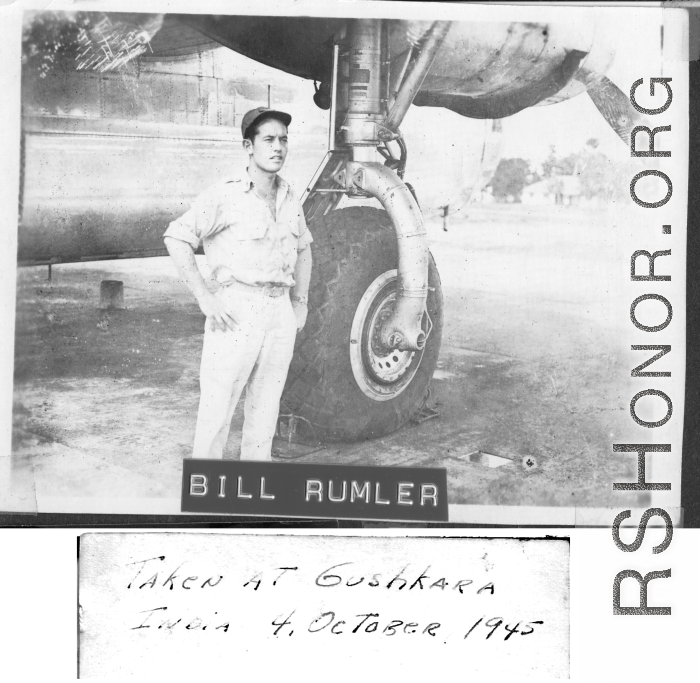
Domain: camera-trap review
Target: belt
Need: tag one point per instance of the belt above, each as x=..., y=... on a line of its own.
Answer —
x=266, y=289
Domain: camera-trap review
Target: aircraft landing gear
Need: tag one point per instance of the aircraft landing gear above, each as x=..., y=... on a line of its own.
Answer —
x=364, y=361
x=343, y=380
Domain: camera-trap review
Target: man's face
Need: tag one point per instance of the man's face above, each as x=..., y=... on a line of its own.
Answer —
x=268, y=149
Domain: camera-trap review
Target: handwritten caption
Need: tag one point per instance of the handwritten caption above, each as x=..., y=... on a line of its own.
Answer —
x=162, y=576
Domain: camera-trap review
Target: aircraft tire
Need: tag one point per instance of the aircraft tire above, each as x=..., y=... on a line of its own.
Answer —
x=343, y=386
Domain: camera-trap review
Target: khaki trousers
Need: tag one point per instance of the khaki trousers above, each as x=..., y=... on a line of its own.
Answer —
x=256, y=356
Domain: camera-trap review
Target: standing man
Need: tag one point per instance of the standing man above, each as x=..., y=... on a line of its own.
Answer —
x=257, y=246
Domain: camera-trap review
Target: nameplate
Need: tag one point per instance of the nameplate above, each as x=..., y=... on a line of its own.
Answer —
x=314, y=490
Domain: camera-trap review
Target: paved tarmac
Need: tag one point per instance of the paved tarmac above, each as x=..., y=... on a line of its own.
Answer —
x=532, y=370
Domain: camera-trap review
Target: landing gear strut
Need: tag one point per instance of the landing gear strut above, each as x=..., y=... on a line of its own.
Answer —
x=365, y=359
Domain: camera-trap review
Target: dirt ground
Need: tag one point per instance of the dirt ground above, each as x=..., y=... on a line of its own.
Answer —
x=530, y=370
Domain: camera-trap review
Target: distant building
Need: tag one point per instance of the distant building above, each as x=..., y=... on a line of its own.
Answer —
x=538, y=194
x=564, y=190
x=567, y=189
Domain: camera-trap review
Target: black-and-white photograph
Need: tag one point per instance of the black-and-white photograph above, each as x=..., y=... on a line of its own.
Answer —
x=360, y=234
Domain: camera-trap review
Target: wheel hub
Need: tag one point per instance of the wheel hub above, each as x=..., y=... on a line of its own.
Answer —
x=385, y=364
x=381, y=373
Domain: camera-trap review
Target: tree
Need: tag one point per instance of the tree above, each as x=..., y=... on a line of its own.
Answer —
x=49, y=39
x=604, y=178
x=598, y=175
x=510, y=178
x=554, y=165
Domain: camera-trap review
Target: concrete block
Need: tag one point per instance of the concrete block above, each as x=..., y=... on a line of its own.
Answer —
x=111, y=294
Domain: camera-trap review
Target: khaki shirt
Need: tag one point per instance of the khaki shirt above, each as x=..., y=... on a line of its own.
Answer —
x=242, y=241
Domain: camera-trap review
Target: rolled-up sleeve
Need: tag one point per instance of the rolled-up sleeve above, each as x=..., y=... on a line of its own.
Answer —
x=305, y=238
x=185, y=229
x=198, y=222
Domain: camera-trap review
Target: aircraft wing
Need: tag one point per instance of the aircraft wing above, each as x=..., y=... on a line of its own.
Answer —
x=484, y=70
